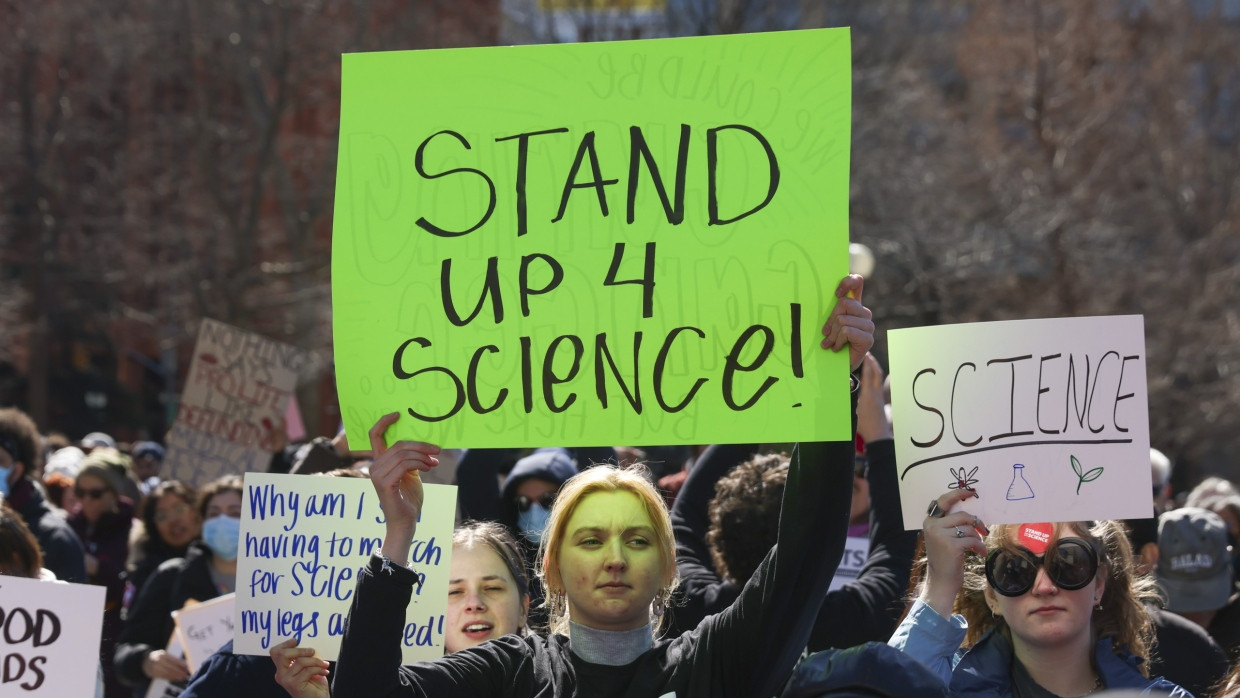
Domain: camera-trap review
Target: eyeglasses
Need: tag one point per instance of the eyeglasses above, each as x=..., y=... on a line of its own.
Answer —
x=93, y=493
x=1070, y=565
x=546, y=499
x=176, y=512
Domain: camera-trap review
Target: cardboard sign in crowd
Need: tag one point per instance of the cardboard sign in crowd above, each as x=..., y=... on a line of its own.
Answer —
x=1047, y=420
x=622, y=242
x=235, y=397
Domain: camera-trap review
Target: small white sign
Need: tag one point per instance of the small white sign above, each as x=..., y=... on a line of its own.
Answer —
x=51, y=633
x=205, y=628
x=856, y=551
x=1047, y=420
x=304, y=541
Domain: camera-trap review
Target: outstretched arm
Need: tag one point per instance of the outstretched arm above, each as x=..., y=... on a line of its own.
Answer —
x=759, y=638
x=868, y=608
x=930, y=633
x=702, y=591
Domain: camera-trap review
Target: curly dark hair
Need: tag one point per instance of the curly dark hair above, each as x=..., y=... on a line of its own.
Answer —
x=19, y=551
x=19, y=433
x=744, y=515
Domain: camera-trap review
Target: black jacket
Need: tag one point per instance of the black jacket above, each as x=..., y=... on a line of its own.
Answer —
x=62, y=551
x=149, y=624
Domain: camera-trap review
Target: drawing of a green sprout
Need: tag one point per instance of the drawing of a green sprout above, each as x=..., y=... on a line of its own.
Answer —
x=1084, y=476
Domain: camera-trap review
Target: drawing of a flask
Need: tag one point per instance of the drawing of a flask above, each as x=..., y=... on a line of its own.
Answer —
x=1019, y=489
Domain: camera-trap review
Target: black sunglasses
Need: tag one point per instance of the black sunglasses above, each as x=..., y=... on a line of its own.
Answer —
x=94, y=493
x=546, y=499
x=1070, y=565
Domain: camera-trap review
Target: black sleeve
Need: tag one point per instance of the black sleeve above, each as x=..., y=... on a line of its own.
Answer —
x=477, y=480
x=868, y=608
x=757, y=641
x=753, y=645
x=62, y=550
x=148, y=627
x=369, y=663
x=702, y=592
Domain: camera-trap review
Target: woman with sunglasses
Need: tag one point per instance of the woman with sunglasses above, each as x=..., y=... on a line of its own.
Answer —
x=102, y=522
x=1029, y=610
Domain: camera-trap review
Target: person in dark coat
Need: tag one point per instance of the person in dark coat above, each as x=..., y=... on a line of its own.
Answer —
x=20, y=459
x=102, y=522
x=208, y=570
x=168, y=522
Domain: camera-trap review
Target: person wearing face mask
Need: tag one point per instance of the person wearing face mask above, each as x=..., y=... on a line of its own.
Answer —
x=525, y=507
x=208, y=570
x=20, y=458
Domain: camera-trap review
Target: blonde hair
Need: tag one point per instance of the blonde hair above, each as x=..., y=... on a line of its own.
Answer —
x=1123, y=616
x=634, y=479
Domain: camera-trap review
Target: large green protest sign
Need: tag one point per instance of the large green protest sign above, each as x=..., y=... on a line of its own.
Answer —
x=594, y=244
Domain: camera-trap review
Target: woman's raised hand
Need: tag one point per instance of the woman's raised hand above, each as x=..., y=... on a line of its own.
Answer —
x=949, y=535
x=850, y=324
x=395, y=474
x=298, y=671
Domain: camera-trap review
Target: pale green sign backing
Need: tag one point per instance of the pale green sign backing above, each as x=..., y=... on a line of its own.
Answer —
x=734, y=249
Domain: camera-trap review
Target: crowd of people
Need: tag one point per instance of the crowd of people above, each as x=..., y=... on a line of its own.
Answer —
x=655, y=571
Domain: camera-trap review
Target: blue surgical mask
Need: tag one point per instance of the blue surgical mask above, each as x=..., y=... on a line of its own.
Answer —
x=532, y=521
x=4, y=481
x=222, y=535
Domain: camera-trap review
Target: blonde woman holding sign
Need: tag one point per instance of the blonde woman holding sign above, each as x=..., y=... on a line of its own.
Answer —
x=608, y=563
x=1038, y=610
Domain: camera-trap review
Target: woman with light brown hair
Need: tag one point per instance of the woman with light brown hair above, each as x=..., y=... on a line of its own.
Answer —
x=1034, y=609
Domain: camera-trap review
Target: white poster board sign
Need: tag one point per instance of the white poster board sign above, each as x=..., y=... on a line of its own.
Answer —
x=50, y=633
x=856, y=551
x=205, y=627
x=304, y=540
x=1047, y=420
x=236, y=394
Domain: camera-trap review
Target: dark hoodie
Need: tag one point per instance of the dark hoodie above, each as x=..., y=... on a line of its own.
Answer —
x=555, y=465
